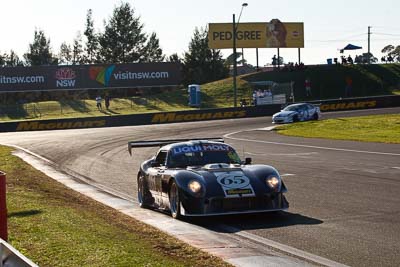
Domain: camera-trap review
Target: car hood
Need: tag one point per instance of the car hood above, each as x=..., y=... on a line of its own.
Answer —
x=285, y=113
x=231, y=180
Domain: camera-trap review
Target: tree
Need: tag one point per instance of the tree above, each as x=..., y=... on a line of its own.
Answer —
x=77, y=50
x=153, y=52
x=230, y=59
x=65, y=55
x=174, y=58
x=395, y=53
x=387, y=49
x=39, y=51
x=123, y=40
x=92, y=40
x=12, y=60
x=202, y=64
x=3, y=59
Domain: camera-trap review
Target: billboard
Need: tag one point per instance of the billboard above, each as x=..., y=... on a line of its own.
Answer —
x=77, y=77
x=273, y=34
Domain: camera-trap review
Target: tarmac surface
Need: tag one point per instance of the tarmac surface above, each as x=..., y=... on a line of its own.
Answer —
x=344, y=196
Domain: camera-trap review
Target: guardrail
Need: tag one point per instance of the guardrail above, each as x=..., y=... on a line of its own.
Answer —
x=10, y=257
x=192, y=115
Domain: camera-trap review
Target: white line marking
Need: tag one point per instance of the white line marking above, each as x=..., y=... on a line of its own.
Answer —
x=307, y=146
x=282, y=247
x=288, y=174
x=396, y=168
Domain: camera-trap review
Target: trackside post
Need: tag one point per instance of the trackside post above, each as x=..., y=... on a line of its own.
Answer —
x=3, y=207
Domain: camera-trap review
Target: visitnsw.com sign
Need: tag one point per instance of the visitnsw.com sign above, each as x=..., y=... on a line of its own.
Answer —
x=44, y=78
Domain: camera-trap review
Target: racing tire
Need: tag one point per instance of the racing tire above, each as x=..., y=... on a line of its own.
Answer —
x=142, y=193
x=295, y=118
x=174, y=200
x=315, y=116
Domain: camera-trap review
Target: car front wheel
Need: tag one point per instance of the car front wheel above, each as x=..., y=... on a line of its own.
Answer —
x=174, y=201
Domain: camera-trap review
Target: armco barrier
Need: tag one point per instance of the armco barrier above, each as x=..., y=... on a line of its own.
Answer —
x=358, y=103
x=193, y=115
x=141, y=119
x=3, y=207
x=12, y=257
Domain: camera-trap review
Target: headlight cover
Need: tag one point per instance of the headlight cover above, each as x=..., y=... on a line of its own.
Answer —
x=194, y=187
x=274, y=183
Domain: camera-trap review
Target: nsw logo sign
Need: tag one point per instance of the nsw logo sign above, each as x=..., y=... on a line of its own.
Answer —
x=65, y=78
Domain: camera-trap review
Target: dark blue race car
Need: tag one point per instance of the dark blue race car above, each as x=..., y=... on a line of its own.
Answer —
x=205, y=177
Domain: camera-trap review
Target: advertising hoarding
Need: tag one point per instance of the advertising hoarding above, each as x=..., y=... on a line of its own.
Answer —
x=273, y=34
x=76, y=77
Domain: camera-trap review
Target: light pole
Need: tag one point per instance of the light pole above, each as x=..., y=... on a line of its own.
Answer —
x=235, y=27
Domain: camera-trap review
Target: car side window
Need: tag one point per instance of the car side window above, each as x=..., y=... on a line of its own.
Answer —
x=161, y=158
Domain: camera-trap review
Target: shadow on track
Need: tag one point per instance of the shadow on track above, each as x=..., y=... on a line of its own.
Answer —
x=253, y=221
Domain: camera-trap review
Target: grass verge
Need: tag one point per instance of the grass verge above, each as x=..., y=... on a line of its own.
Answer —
x=55, y=226
x=377, y=128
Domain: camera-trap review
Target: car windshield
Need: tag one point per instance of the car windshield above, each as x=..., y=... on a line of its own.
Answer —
x=184, y=156
x=292, y=108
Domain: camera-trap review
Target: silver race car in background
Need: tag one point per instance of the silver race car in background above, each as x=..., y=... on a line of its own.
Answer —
x=297, y=112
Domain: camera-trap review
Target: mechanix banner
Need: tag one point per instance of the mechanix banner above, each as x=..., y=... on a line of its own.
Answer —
x=271, y=34
x=46, y=78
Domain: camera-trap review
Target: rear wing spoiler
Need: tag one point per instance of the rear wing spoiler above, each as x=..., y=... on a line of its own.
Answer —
x=160, y=143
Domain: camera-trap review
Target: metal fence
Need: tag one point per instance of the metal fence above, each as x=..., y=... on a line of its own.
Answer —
x=39, y=109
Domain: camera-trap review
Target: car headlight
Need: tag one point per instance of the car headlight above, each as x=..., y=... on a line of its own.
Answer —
x=194, y=186
x=273, y=182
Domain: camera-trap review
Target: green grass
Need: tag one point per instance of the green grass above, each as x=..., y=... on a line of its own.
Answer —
x=170, y=101
x=377, y=128
x=55, y=226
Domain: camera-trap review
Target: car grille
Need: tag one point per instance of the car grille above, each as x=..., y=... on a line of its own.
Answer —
x=279, y=119
x=245, y=204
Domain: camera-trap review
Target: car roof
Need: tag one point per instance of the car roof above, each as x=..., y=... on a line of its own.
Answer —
x=191, y=143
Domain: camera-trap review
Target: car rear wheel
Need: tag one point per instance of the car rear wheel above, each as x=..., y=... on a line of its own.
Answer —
x=295, y=118
x=142, y=193
x=174, y=201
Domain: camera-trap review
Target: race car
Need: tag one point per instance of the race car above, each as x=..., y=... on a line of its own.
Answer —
x=297, y=112
x=204, y=177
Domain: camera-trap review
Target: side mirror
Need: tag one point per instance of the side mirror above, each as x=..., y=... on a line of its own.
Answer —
x=247, y=161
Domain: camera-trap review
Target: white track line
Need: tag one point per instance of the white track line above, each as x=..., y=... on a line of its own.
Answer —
x=306, y=146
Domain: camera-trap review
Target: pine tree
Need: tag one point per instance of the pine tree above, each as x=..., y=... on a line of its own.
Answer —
x=77, y=50
x=92, y=40
x=174, y=58
x=12, y=60
x=65, y=55
x=202, y=64
x=40, y=51
x=153, y=52
x=3, y=58
x=123, y=40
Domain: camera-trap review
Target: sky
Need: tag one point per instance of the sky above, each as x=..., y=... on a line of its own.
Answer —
x=328, y=25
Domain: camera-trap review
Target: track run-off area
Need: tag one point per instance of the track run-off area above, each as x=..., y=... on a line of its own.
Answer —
x=344, y=196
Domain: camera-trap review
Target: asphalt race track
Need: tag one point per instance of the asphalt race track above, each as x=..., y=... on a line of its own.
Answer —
x=344, y=196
